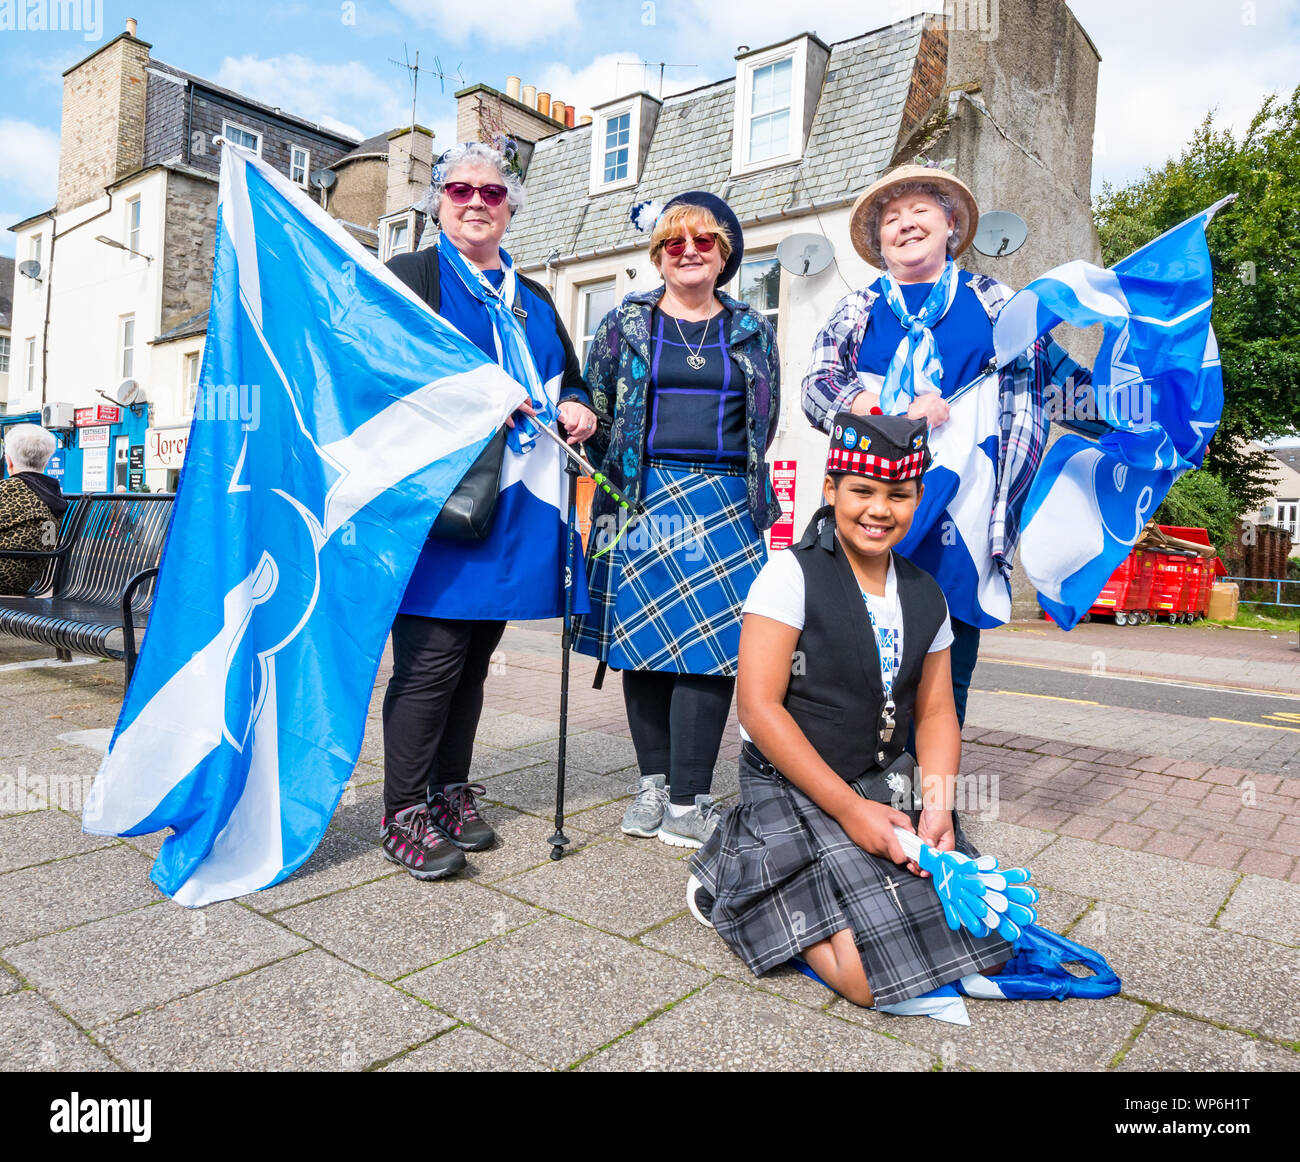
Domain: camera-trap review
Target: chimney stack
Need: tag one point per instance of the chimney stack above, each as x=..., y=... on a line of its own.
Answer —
x=130, y=26
x=512, y=88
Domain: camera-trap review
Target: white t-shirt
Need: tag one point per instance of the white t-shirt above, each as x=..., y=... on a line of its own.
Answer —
x=778, y=593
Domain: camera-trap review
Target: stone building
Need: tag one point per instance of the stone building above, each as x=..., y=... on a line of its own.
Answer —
x=1009, y=109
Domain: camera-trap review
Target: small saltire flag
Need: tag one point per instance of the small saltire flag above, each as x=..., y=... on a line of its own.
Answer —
x=949, y=537
x=335, y=415
x=1158, y=385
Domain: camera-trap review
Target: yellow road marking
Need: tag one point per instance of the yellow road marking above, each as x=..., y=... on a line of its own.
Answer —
x=1261, y=725
x=1049, y=697
x=1285, y=716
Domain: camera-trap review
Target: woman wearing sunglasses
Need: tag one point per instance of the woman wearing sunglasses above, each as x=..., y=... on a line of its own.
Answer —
x=689, y=379
x=462, y=592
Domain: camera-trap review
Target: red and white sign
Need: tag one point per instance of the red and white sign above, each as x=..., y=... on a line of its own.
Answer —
x=165, y=447
x=103, y=414
x=93, y=437
x=783, y=478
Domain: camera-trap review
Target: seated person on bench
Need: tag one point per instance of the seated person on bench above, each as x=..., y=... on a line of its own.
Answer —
x=30, y=506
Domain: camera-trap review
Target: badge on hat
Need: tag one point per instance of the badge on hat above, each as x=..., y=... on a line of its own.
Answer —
x=879, y=446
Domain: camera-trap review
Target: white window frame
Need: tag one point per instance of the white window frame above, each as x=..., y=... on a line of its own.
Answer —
x=765, y=256
x=1288, y=516
x=125, y=350
x=34, y=253
x=192, y=369
x=29, y=374
x=5, y=345
x=632, y=107
x=407, y=220
x=585, y=291
x=797, y=53
x=294, y=150
x=136, y=210
x=227, y=126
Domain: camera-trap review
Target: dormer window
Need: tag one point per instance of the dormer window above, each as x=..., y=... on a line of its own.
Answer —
x=620, y=136
x=772, y=118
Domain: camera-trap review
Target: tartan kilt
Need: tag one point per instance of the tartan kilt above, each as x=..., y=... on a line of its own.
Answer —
x=785, y=876
x=668, y=596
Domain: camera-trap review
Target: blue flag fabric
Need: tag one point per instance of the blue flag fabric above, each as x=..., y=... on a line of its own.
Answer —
x=1159, y=386
x=335, y=415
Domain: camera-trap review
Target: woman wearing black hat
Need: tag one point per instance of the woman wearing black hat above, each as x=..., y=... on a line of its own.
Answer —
x=689, y=378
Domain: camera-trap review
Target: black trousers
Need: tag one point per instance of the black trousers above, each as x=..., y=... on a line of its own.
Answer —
x=677, y=722
x=433, y=704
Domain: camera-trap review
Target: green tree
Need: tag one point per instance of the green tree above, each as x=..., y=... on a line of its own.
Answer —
x=1255, y=248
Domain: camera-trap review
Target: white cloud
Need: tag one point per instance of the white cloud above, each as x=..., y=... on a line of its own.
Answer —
x=348, y=97
x=613, y=75
x=762, y=22
x=29, y=161
x=513, y=23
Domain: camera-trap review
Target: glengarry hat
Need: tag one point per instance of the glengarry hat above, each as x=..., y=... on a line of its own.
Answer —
x=880, y=446
x=967, y=211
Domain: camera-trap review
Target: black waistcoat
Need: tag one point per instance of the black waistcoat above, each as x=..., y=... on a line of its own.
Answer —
x=835, y=692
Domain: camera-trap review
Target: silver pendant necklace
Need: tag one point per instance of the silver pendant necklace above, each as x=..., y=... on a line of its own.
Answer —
x=694, y=359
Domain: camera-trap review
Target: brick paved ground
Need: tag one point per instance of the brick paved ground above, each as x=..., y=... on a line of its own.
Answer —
x=1176, y=870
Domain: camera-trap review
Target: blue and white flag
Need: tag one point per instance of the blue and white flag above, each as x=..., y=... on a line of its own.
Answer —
x=949, y=537
x=336, y=413
x=1157, y=383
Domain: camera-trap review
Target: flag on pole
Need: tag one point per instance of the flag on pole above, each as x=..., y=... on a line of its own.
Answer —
x=1159, y=386
x=336, y=413
x=949, y=537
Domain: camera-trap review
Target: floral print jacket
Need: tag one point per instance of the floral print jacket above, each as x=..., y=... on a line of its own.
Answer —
x=618, y=373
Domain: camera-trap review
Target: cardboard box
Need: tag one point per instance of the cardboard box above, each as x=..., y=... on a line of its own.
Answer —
x=1223, y=601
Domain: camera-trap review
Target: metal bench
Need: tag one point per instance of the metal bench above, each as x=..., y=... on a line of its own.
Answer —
x=97, y=586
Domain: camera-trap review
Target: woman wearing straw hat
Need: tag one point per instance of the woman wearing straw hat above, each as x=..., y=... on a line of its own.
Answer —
x=920, y=332
x=690, y=378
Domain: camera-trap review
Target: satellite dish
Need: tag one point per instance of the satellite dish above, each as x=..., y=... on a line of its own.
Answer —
x=805, y=254
x=30, y=269
x=1000, y=233
x=324, y=179
x=129, y=392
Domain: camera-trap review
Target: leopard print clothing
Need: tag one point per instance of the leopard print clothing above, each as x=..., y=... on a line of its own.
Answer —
x=25, y=523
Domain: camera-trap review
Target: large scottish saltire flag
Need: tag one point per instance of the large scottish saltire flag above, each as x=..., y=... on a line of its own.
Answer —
x=335, y=415
x=1159, y=386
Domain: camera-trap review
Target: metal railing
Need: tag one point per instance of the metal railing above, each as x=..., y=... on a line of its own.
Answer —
x=1278, y=582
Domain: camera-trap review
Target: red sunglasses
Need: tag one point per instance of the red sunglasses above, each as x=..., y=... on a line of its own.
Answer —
x=703, y=244
x=462, y=193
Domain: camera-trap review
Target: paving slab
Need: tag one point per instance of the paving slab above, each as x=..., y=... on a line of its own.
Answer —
x=8, y=982
x=521, y=844
x=1013, y=845
x=533, y=789
x=1266, y=908
x=1016, y=1036
x=54, y=778
x=464, y=1050
x=54, y=896
x=688, y=939
x=31, y=733
x=360, y=809
x=396, y=925
x=491, y=760
x=729, y=1028
x=343, y=860
x=608, y=885
x=1173, y=1044
x=1219, y=976
x=1154, y=883
x=1058, y=910
x=592, y=750
x=40, y=836
x=508, y=731
x=110, y=968
x=309, y=1013
x=559, y=990
x=35, y=1037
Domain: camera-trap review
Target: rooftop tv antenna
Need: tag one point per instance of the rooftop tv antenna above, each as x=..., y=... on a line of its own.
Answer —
x=414, y=69
x=643, y=65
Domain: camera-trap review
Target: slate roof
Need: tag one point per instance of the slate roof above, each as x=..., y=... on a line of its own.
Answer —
x=851, y=142
x=7, y=268
x=371, y=145
x=194, y=325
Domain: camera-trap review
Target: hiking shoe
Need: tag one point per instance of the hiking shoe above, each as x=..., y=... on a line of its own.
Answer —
x=409, y=841
x=455, y=815
x=699, y=901
x=693, y=828
x=646, y=811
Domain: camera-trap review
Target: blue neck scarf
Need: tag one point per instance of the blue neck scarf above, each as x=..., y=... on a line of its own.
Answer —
x=916, y=366
x=513, y=352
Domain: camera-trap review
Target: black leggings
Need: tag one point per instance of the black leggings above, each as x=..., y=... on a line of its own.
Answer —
x=433, y=703
x=677, y=722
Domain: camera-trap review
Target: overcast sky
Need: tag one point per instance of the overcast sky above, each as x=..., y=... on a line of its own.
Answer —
x=1164, y=63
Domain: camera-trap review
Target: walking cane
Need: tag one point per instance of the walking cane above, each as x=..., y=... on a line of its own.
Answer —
x=559, y=840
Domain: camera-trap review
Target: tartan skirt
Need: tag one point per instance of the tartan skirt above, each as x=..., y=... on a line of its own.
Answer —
x=784, y=876
x=668, y=595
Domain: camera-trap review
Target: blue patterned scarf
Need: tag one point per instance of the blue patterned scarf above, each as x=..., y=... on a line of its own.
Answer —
x=916, y=366
x=513, y=352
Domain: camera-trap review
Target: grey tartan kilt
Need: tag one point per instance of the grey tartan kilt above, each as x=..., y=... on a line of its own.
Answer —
x=784, y=876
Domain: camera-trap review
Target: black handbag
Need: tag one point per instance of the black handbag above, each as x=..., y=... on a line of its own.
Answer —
x=468, y=513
